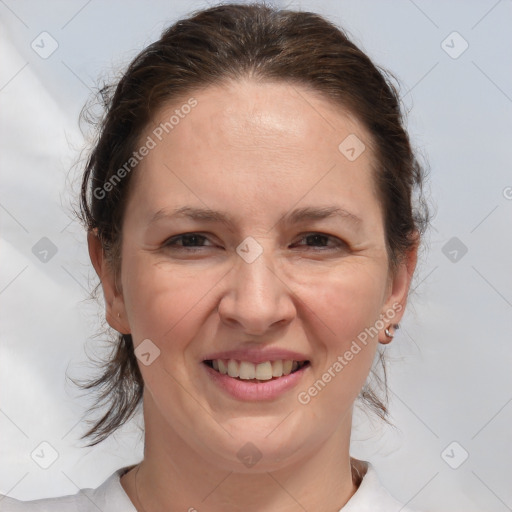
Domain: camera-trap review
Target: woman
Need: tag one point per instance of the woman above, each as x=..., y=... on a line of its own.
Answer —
x=249, y=208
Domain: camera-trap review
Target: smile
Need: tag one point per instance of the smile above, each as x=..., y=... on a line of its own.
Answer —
x=265, y=371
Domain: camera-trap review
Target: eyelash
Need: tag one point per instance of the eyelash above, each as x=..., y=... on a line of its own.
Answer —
x=171, y=242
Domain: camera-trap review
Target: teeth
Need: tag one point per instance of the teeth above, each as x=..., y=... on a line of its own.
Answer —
x=222, y=366
x=233, y=368
x=263, y=371
x=277, y=368
x=246, y=370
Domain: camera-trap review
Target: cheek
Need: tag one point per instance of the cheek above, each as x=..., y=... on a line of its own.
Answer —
x=167, y=306
x=347, y=304
x=164, y=302
x=346, y=299
x=356, y=300
x=161, y=299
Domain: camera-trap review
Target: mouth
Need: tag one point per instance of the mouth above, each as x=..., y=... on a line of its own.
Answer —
x=250, y=372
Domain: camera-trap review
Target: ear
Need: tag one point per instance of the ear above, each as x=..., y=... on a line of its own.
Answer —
x=114, y=302
x=398, y=291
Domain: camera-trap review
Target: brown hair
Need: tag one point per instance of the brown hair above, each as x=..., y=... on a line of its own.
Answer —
x=233, y=42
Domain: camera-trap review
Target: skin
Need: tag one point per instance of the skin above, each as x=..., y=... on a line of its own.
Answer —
x=255, y=151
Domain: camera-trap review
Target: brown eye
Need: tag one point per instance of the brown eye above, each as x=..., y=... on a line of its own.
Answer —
x=192, y=240
x=321, y=240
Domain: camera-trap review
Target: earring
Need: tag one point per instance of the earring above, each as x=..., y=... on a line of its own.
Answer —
x=118, y=315
x=387, y=331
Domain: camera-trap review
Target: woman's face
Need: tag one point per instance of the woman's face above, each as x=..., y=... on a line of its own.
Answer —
x=284, y=258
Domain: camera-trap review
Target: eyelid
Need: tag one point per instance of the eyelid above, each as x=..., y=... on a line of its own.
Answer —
x=169, y=241
x=336, y=242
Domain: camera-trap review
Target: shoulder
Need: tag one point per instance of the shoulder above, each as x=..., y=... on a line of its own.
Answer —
x=108, y=497
x=372, y=496
x=61, y=504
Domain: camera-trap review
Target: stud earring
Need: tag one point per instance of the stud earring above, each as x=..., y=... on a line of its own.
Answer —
x=388, y=333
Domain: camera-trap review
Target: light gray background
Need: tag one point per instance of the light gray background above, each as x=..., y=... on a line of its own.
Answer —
x=450, y=376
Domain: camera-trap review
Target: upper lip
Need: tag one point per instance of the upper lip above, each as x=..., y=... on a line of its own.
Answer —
x=256, y=355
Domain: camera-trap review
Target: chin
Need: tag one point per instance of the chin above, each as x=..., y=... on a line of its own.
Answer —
x=250, y=459
x=255, y=448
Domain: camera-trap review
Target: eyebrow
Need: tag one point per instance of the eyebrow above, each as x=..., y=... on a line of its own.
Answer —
x=296, y=216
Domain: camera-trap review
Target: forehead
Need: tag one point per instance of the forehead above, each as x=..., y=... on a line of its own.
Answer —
x=264, y=116
x=256, y=138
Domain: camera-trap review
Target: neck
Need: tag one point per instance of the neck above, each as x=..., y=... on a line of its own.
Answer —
x=175, y=477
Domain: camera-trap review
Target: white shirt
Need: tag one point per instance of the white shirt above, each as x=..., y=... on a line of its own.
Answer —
x=110, y=496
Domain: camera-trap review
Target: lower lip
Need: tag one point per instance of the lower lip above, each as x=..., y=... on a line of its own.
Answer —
x=254, y=391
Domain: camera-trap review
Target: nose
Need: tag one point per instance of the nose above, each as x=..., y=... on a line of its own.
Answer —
x=258, y=300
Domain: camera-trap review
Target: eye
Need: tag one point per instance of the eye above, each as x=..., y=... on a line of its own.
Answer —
x=186, y=241
x=322, y=241
x=192, y=242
